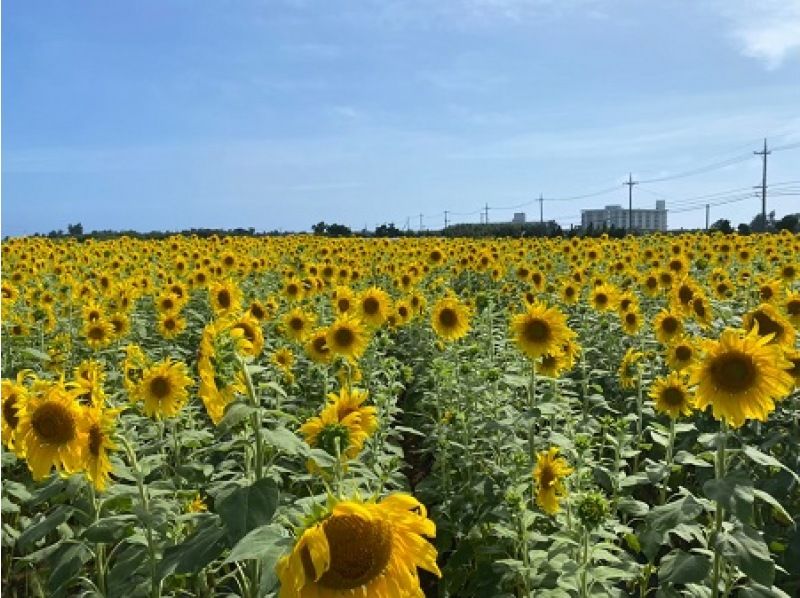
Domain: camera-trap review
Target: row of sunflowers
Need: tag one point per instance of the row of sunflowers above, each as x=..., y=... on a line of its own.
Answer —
x=316, y=417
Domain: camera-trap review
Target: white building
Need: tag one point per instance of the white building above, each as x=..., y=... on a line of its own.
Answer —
x=617, y=217
x=519, y=218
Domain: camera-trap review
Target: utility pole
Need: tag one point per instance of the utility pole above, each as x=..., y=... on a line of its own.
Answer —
x=445, y=219
x=707, y=209
x=486, y=214
x=420, y=223
x=630, y=183
x=764, y=153
x=541, y=209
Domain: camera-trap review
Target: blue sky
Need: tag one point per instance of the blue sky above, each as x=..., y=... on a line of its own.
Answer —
x=167, y=114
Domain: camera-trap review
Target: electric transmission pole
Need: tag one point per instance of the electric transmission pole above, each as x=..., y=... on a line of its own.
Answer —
x=707, y=209
x=445, y=219
x=420, y=223
x=486, y=214
x=541, y=209
x=764, y=153
x=630, y=182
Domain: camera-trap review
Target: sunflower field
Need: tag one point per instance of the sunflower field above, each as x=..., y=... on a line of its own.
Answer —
x=314, y=417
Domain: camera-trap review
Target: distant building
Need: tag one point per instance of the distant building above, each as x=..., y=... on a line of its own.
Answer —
x=617, y=217
x=519, y=218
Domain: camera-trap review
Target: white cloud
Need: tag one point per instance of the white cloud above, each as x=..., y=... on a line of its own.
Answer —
x=767, y=30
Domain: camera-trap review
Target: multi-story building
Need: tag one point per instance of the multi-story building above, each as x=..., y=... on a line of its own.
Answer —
x=519, y=218
x=617, y=217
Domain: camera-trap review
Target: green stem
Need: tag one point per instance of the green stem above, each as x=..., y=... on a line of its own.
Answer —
x=720, y=515
x=255, y=420
x=668, y=459
x=532, y=405
x=584, y=576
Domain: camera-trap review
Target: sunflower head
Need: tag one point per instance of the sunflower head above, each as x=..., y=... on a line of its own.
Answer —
x=766, y=321
x=347, y=337
x=549, y=474
x=672, y=396
x=450, y=319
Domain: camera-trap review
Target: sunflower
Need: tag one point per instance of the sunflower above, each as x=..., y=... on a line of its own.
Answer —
x=450, y=319
x=218, y=368
x=163, y=388
x=258, y=310
x=361, y=549
x=293, y=290
x=373, y=306
x=343, y=299
x=133, y=367
x=283, y=358
x=297, y=324
x=671, y=396
x=629, y=368
x=348, y=404
x=89, y=379
x=347, y=337
x=555, y=364
x=52, y=429
x=681, y=353
x=100, y=431
x=226, y=297
x=604, y=297
x=14, y=396
x=344, y=437
x=317, y=347
x=700, y=308
x=540, y=330
x=741, y=376
x=793, y=357
x=631, y=320
x=171, y=324
x=768, y=321
x=549, y=474
x=791, y=305
x=667, y=325
x=250, y=330
x=99, y=333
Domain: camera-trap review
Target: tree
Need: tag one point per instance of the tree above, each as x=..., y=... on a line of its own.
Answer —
x=758, y=224
x=75, y=230
x=744, y=229
x=319, y=228
x=723, y=225
x=338, y=230
x=790, y=222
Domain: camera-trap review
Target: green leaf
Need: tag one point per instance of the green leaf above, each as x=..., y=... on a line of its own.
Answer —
x=773, y=502
x=35, y=354
x=245, y=509
x=667, y=516
x=768, y=461
x=110, y=529
x=686, y=458
x=684, y=567
x=235, y=413
x=66, y=564
x=39, y=530
x=197, y=551
x=745, y=548
x=754, y=590
x=735, y=493
x=265, y=542
x=285, y=441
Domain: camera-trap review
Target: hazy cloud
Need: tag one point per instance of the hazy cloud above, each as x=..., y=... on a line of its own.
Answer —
x=767, y=30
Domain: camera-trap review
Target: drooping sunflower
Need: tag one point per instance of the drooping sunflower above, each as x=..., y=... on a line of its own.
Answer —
x=218, y=368
x=741, y=376
x=164, y=388
x=53, y=430
x=373, y=306
x=768, y=321
x=549, y=474
x=14, y=396
x=450, y=319
x=681, y=353
x=100, y=431
x=297, y=324
x=667, y=325
x=629, y=368
x=540, y=330
x=347, y=337
x=361, y=549
x=672, y=396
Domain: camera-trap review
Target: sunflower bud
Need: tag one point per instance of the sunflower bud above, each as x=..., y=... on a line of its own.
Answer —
x=592, y=510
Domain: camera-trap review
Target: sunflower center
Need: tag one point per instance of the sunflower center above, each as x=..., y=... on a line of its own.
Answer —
x=793, y=307
x=344, y=337
x=601, y=299
x=257, y=312
x=10, y=411
x=630, y=318
x=330, y=434
x=95, y=440
x=685, y=294
x=767, y=325
x=448, y=317
x=296, y=324
x=224, y=299
x=547, y=477
x=699, y=308
x=371, y=306
x=673, y=396
x=536, y=331
x=360, y=550
x=169, y=324
x=97, y=333
x=53, y=423
x=669, y=325
x=683, y=353
x=343, y=304
x=160, y=387
x=733, y=372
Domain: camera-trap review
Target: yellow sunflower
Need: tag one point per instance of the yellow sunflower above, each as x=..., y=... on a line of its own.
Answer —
x=629, y=368
x=667, y=325
x=768, y=321
x=283, y=358
x=631, y=320
x=361, y=549
x=794, y=358
x=53, y=430
x=604, y=297
x=347, y=337
x=681, y=353
x=317, y=347
x=450, y=319
x=100, y=431
x=549, y=474
x=741, y=376
x=349, y=405
x=791, y=305
x=133, y=367
x=343, y=299
x=326, y=431
x=218, y=368
x=540, y=330
x=250, y=330
x=164, y=388
x=373, y=306
x=171, y=324
x=672, y=396
x=297, y=324
x=226, y=297
x=99, y=333
x=14, y=396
